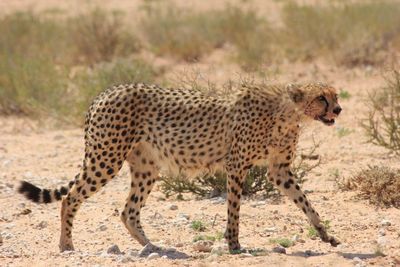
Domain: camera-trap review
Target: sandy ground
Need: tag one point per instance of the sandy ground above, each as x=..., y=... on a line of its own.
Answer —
x=49, y=157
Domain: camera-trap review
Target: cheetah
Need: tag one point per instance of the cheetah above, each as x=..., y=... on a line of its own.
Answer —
x=164, y=130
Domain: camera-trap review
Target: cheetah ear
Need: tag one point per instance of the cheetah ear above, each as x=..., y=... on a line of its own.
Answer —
x=295, y=92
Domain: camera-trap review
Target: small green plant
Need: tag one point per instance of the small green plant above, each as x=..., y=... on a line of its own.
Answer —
x=383, y=123
x=198, y=225
x=258, y=252
x=284, y=242
x=342, y=131
x=216, y=237
x=343, y=94
x=379, y=251
x=313, y=233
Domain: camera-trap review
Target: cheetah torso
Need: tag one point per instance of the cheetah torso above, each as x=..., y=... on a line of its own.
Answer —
x=190, y=132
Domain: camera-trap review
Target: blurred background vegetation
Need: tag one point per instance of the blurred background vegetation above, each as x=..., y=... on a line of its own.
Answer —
x=53, y=64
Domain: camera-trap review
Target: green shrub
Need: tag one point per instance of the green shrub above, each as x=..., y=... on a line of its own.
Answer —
x=198, y=225
x=284, y=242
x=383, y=123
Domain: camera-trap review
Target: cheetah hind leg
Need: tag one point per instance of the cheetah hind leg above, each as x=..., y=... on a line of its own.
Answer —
x=144, y=174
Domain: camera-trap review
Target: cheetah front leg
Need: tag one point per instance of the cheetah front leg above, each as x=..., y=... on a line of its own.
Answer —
x=280, y=175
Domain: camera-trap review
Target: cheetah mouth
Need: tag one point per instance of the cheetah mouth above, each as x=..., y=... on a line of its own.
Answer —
x=325, y=120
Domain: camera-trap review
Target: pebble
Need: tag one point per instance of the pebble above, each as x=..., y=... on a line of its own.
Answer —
x=183, y=216
x=279, y=249
x=125, y=259
x=219, y=249
x=258, y=204
x=271, y=229
x=179, y=245
x=153, y=255
x=381, y=241
x=385, y=222
x=1, y=239
x=146, y=250
x=114, y=249
x=246, y=255
x=164, y=257
x=172, y=207
x=381, y=232
x=103, y=227
x=218, y=200
x=42, y=225
x=203, y=245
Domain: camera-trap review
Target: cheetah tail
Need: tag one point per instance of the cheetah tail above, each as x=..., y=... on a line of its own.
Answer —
x=38, y=195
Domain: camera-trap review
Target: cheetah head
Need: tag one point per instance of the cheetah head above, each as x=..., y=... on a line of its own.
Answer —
x=319, y=101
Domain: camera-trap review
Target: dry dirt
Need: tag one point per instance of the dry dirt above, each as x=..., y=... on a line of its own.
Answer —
x=49, y=157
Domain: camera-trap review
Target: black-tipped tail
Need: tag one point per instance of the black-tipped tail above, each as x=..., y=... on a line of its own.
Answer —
x=37, y=195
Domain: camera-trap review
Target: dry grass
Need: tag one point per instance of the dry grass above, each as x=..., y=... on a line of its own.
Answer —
x=101, y=36
x=38, y=57
x=379, y=184
x=350, y=33
x=44, y=60
x=182, y=34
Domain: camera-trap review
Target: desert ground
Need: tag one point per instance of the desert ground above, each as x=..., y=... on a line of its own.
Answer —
x=49, y=154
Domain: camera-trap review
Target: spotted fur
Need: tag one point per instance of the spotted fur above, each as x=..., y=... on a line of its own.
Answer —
x=173, y=131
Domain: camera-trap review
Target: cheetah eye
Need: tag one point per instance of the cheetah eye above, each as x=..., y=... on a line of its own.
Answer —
x=322, y=98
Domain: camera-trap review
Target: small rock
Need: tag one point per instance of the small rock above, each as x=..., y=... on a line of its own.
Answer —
x=172, y=207
x=357, y=259
x=246, y=255
x=42, y=225
x=258, y=204
x=279, y=249
x=381, y=241
x=308, y=252
x=219, y=249
x=146, y=250
x=164, y=257
x=307, y=191
x=114, y=249
x=385, y=222
x=170, y=250
x=153, y=255
x=183, y=216
x=381, y=232
x=125, y=259
x=179, y=245
x=132, y=253
x=295, y=238
x=103, y=227
x=25, y=212
x=218, y=200
x=1, y=239
x=271, y=229
x=203, y=245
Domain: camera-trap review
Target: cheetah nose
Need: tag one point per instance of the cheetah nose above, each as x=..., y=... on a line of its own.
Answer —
x=337, y=110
